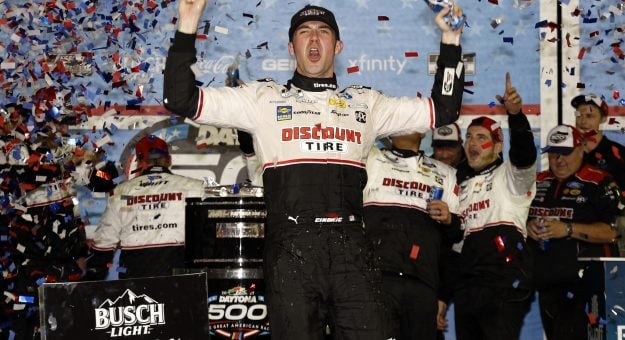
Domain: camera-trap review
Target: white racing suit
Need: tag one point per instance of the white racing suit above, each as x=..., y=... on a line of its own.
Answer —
x=312, y=141
x=406, y=240
x=145, y=218
x=495, y=263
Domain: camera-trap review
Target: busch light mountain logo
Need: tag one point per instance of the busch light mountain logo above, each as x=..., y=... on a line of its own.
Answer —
x=129, y=315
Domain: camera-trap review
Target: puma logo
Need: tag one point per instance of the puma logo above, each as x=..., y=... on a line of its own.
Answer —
x=294, y=219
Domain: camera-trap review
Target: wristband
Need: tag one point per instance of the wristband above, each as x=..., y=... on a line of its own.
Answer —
x=569, y=229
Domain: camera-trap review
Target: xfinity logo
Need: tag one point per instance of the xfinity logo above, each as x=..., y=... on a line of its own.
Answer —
x=129, y=314
x=365, y=63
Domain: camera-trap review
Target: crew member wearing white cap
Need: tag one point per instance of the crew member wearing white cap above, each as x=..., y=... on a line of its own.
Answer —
x=571, y=216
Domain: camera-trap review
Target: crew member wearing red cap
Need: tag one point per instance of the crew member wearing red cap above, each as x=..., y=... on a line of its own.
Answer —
x=145, y=217
x=571, y=216
x=316, y=255
x=494, y=292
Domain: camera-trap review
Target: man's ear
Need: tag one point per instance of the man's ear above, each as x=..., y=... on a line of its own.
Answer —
x=338, y=47
x=291, y=49
x=498, y=147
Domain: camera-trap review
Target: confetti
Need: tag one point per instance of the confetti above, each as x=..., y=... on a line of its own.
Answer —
x=221, y=30
x=353, y=69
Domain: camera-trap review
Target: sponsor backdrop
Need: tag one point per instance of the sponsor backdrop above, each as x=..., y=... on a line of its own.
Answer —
x=164, y=308
x=104, y=60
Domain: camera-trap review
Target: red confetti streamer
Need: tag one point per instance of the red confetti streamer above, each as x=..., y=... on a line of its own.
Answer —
x=494, y=2
x=616, y=94
x=618, y=52
x=501, y=246
x=79, y=152
x=383, y=18
x=592, y=319
x=411, y=54
x=414, y=252
x=353, y=69
x=594, y=34
x=581, y=85
x=582, y=51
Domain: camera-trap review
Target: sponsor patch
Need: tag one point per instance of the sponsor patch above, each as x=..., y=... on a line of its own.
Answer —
x=339, y=102
x=448, y=81
x=284, y=113
x=361, y=116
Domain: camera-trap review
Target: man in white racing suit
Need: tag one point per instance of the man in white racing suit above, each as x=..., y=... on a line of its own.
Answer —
x=312, y=141
x=406, y=227
x=495, y=289
x=145, y=217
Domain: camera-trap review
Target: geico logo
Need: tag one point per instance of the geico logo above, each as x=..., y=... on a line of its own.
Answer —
x=278, y=65
x=237, y=312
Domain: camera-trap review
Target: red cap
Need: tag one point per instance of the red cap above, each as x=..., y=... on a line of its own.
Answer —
x=151, y=147
x=491, y=125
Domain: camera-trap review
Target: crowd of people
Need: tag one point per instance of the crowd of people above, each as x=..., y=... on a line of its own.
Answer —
x=370, y=243
x=42, y=234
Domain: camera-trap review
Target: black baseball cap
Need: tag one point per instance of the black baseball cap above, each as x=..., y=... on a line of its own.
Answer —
x=313, y=13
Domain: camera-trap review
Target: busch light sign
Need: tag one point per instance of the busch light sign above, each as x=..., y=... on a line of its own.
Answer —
x=158, y=308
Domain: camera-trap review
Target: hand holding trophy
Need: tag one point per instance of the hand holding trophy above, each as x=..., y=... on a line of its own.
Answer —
x=454, y=21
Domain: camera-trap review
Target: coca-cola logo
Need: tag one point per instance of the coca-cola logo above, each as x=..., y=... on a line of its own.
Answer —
x=219, y=66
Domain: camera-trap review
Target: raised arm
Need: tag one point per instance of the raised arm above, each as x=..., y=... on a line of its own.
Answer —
x=180, y=95
x=448, y=84
x=522, y=148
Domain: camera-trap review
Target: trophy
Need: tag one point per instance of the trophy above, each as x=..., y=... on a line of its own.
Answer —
x=452, y=20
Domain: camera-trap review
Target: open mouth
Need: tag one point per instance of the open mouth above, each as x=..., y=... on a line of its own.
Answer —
x=313, y=54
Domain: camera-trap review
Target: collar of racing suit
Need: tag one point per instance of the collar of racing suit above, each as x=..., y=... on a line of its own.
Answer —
x=155, y=170
x=405, y=153
x=488, y=168
x=312, y=84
